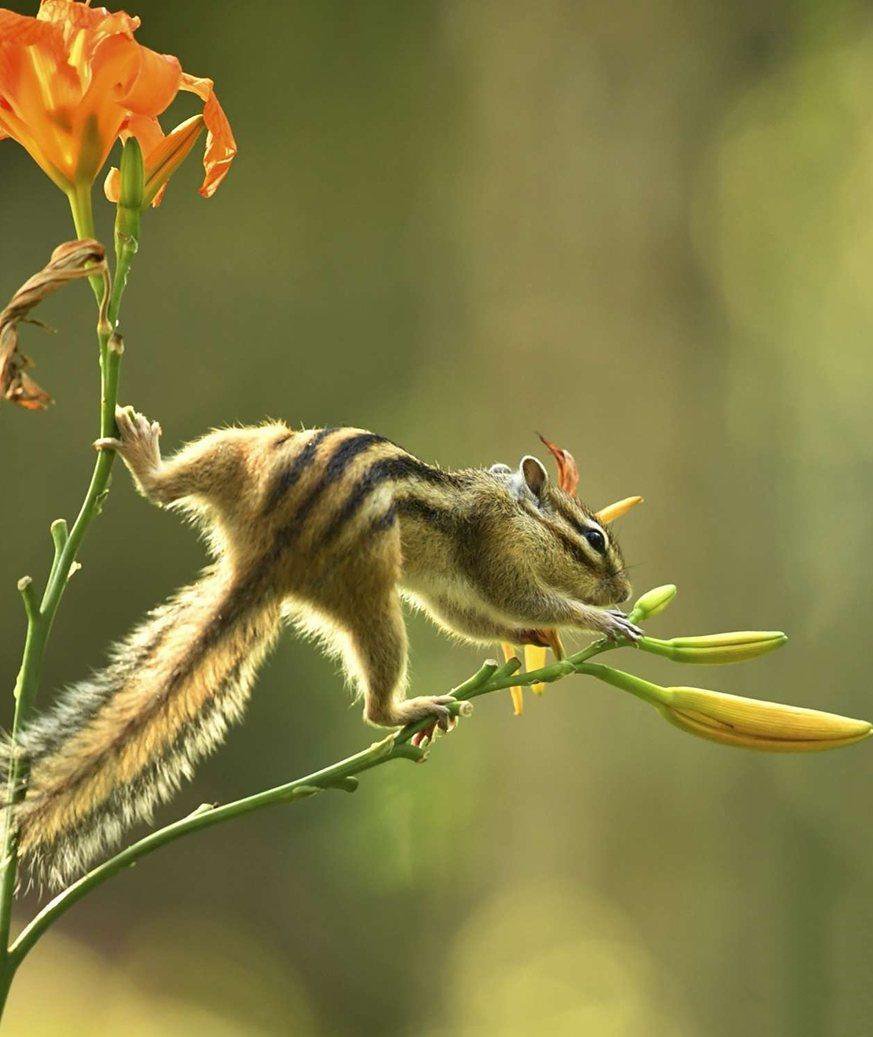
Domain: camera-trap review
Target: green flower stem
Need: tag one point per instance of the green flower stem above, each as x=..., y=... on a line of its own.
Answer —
x=83, y=220
x=41, y=615
x=654, y=694
x=342, y=775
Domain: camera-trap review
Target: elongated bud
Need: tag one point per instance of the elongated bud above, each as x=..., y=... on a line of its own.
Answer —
x=753, y=724
x=652, y=602
x=166, y=158
x=715, y=648
x=613, y=511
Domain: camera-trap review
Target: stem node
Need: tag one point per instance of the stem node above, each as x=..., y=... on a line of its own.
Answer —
x=60, y=534
x=28, y=596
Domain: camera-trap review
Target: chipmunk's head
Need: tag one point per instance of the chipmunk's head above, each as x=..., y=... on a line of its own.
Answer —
x=573, y=549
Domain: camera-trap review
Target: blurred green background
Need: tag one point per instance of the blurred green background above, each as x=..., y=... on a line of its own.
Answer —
x=644, y=230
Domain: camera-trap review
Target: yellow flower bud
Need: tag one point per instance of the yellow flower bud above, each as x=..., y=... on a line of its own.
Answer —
x=535, y=659
x=753, y=724
x=715, y=648
x=652, y=602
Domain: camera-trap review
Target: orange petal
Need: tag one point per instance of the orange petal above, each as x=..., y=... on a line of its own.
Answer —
x=220, y=143
x=568, y=473
x=24, y=31
x=98, y=20
x=98, y=118
x=112, y=184
x=12, y=126
x=157, y=83
x=147, y=131
x=163, y=160
x=31, y=77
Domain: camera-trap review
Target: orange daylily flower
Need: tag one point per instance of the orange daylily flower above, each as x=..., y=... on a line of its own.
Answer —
x=73, y=80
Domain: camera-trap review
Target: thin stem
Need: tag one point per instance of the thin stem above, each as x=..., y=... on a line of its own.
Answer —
x=302, y=788
x=489, y=678
x=654, y=694
x=83, y=220
x=40, y=618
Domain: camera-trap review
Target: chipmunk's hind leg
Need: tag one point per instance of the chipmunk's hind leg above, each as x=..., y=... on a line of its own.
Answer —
x=376, y=658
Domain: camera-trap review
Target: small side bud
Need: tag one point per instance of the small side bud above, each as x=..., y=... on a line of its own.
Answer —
x=28, y=596
x=652, y=602
x=59, y=531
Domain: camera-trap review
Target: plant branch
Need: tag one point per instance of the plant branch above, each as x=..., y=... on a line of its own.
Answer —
x=76, y=259
x=341, y=775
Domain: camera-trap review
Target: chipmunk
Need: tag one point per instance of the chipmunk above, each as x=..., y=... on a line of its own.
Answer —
x=331, y=527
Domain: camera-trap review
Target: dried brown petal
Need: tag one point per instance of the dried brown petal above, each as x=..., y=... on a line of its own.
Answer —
x=69, y=262
x=568, y=473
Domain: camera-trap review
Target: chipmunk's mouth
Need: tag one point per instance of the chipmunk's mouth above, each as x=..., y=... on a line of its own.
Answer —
x=614, y=590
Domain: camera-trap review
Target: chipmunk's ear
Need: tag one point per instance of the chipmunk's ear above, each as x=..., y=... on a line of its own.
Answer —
x=535, y=476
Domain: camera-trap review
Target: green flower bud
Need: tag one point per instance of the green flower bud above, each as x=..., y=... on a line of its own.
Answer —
x=652, y=602
x=132, y=180
x=715, y=648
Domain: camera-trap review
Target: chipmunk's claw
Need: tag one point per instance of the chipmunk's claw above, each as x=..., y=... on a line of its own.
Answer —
x=621, y=627
x=107, y=443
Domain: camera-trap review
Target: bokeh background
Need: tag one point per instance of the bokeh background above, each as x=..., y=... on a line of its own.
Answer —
x=645, y=230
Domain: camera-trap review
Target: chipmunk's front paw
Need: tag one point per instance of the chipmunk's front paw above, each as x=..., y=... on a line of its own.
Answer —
x=138, y=440
x=615, y=625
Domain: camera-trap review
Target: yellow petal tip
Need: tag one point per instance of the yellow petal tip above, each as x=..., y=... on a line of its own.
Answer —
x=615, y=510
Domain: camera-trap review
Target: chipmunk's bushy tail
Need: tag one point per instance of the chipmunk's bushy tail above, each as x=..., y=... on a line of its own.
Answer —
x=121, y=742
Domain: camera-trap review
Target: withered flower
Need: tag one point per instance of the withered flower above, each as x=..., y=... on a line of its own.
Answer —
x=69, y=262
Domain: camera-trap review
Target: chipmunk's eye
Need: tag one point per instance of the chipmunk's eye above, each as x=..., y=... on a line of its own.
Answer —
x=596, y=539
